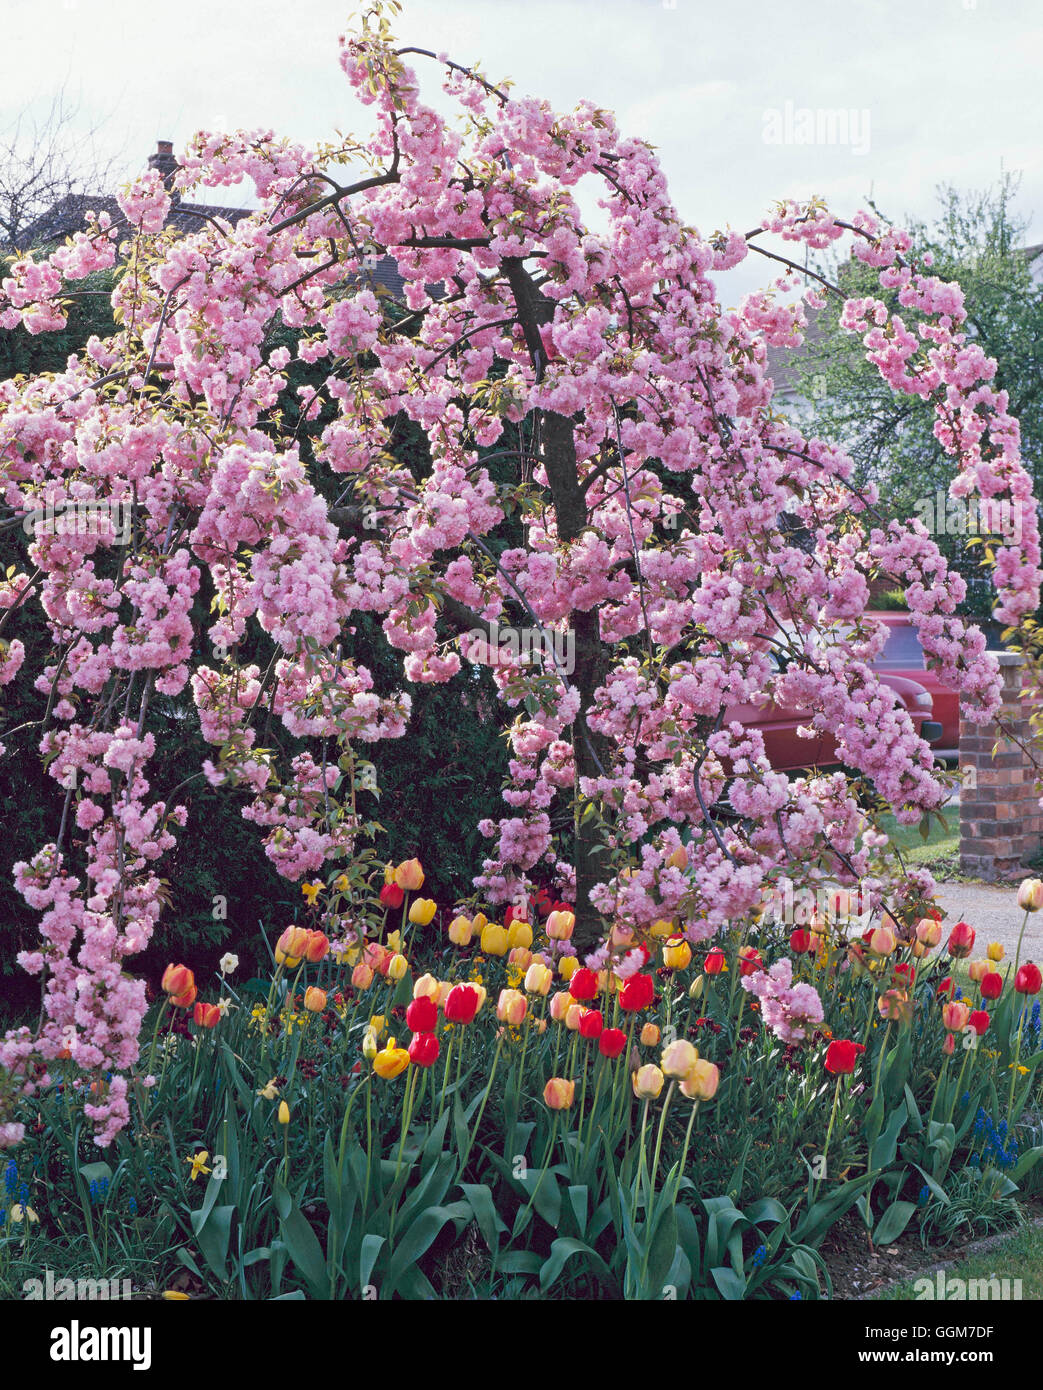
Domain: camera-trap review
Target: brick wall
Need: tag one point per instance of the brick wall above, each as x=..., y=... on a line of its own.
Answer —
x=1001, y=823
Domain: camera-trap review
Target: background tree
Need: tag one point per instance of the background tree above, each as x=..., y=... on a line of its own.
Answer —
x=980, y=242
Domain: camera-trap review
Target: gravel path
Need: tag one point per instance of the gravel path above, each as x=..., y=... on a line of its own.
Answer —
x=995, y=916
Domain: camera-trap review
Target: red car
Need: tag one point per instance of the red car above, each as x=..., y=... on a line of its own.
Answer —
x=903, y=656
x=787, y=752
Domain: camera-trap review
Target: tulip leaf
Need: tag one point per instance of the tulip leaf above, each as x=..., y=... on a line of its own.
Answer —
x=563, y=1250
x=519, y=1262
x=213, y=1232
x=370, y=1250
x=415, y=1241
x=893, y=1222
x=302, y=1243
x=661, y=1254
x=485, y=1213
x=579, y=1199
x=731, y=1286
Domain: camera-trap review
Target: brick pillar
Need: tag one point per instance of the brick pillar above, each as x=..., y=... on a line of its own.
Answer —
x=1001, y=823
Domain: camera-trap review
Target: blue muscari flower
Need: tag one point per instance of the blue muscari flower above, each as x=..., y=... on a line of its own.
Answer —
x=924, y=1196
x=23, y=1192
x=132, y=1206
x=93, y=1191
x=759, y=1256
x=11, y=1177
x=965, y=1099
x=795, y=1295
x=3, y=1215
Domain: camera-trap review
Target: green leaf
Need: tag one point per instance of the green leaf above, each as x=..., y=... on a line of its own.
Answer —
x=368, y=1257
x=485, y=1213
x=566, y=1248
x=303, y=1245
x=893, y=1222
x=420, y=1236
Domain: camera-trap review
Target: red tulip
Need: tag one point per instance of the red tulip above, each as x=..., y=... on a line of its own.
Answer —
x=991, y=985
x=1028, y=980
x=946, y=986
x=612, y=1042
x=186, y=1000
x=177, y=979
x=749, y=961
x=461, y=1004
x=317, y=947
x=424, y=1049
x=391, y=895
x=206, y=1015
x=979, y=1021
x=961, y=940
x=422, y=1015
x=637, y=993
x=591, y=1024
x=583, y=984
x=801, y=941
x=714, y=962
x=841, y=1057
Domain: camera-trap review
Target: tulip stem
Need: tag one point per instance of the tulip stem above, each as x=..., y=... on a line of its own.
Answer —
x=481, y=1108
x=1017, y=957
x=1014, y=1066
x=544, y=1162
x=445, y=1076
x=155, y=1035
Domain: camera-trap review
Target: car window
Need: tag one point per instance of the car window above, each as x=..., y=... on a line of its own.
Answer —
x=902, y=650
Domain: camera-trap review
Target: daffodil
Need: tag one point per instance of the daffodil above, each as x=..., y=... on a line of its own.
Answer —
x=269, y=1092
x=23, y=1213
x=311, y=891
x=198, y=1162
x=341, y=883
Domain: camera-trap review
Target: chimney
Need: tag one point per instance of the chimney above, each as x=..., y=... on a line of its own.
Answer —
x=164, y=161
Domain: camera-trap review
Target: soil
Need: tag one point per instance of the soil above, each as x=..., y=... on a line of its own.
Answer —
x=858, y=1272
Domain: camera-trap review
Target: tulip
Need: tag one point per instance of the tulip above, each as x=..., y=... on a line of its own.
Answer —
x=362, y=976
x=283, y=1115
x=679, y=858
x=591, y=1024
x=573, y=1014
x=494, y=940
x=955, y=1015
x=520, y=956
x=679, y=1058
x=519, y=933
x=425, y=988
x=995, y=951
x=647, y=1082
x=206, y=1015
x=424, y=1049
x=421, y=910
x=377, y=956
x=701, y=1081
x=621, y=935
x=961, y=940
x=1030, y=895
x=650, y=1035
x=177, y=979
x=422, y=1015
x=583, y=984
x=637, y=993
x=461, y=1004
x=991, y=985
x=511, y=1007
x=979, y=1021
x=515, y=914
x=291, y=946
x=949, y=1045
x=317, y=947
x=677, y=954
x=391, y=895
x=409, y=875
x=977, y=970
x=882, y=941
x=612, y=1042
x=478, y=921
x=567, y=967
x=391, y=1061
x=538, y=978
x=946, y=987
x=695, y=989
x=398, y=967
x=370, y=1045
x=186, y=1000
x=841, y=1056
x=749, y=961
x=895, y=1005
x=560, y=1005
x=928, y=931
x=559, y=925
x=802, y=942
x=442, y=992
x=1028, y=980
x=558, y=1094
x=460, y=931
x=314, y=999
x=661, y=928
x=714, y=962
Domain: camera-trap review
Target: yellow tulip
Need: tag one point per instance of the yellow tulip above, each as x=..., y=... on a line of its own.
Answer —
x=421, y=910
x=558, y=1094
x=519, y=934
x=677, y=954
x=398, y=967
x=567, y=967
x=391, y=1062
x=647, y=1082
x=494, y=940
x=995, y=951
x=284, y=1113
x=538, y=978
x=409, y=875
x=649, y=1035
x=425, y=988
x=702, y=1081
x=461, y=931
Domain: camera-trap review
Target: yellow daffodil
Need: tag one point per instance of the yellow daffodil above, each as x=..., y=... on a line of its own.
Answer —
x=269, y=1092
x=23, y=1213
x=311, y=891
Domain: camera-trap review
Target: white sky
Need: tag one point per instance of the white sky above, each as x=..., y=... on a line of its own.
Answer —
x=952, y=88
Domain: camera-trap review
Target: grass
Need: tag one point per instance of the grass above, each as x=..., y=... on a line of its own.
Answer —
x=942, y=842
x=1019, y=1257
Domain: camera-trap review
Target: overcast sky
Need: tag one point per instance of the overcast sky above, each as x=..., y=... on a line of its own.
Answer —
x=930, y=91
